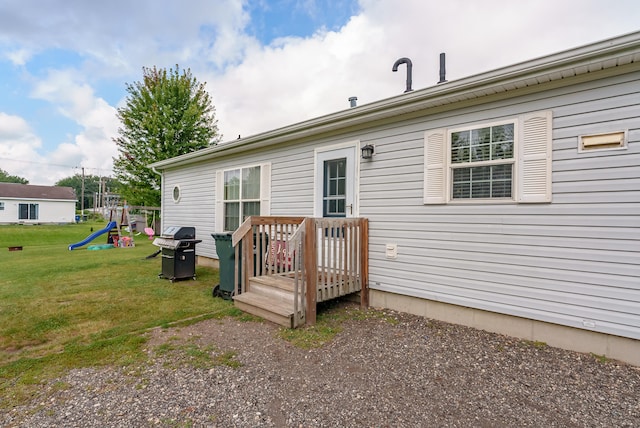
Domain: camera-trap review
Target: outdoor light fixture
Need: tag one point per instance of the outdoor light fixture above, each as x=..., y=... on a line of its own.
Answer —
x=367, y=151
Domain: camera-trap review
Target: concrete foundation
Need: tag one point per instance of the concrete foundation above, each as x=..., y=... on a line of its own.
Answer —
x=614, y=347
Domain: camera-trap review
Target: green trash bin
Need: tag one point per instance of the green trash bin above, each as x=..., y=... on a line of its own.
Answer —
x=227, y=261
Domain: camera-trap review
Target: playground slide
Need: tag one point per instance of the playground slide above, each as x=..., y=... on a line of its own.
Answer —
x=93, y=236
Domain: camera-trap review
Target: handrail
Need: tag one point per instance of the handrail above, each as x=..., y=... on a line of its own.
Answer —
x=259, y=234
x=251, y=221
x=244, y=228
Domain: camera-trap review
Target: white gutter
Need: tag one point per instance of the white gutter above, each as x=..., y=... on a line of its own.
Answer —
x=153, y=168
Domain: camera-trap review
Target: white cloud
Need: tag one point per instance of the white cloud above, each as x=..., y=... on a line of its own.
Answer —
x=19, y=148
x=295, y=79
x=93, y=147
x=19, y=56
x=118, y=37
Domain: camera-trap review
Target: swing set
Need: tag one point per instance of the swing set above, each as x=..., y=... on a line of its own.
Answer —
x=149, y=226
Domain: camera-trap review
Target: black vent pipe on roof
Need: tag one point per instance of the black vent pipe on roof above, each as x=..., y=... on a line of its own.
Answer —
x=443, y=72
x=409, y=67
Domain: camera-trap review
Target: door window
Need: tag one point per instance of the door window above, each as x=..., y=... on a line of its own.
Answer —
x=334, y=200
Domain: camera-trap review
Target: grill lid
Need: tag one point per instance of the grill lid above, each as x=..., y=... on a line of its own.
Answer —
x=179, y=232
x=173, y=244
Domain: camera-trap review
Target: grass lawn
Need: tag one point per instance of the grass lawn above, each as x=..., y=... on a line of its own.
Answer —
x=61, y=309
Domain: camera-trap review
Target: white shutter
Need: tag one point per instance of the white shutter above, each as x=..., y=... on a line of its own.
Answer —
x=534, y=158
x=219, y=214
x=265, y=189
x=435, y=166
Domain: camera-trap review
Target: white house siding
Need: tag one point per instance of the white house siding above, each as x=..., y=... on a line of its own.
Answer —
x=49, y=211
x=291, y=189
x=573, y=262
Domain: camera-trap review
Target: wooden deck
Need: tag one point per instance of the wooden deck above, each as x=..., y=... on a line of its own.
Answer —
x=279, y=286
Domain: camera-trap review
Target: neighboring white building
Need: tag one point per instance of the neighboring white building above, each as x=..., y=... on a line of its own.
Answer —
x=23, y=203
x=508, y=201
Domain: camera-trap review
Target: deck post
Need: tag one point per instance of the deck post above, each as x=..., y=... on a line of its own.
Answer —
x=364, y=263
x=310, y=270
x=247, y=262
x=236, y=270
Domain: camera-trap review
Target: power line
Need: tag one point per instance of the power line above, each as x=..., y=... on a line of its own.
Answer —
x=56, y=165
x=40, y=163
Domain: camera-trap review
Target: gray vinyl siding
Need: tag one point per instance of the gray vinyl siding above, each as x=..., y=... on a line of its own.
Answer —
x=570, y=261
x=291, y=189
x=196, y=205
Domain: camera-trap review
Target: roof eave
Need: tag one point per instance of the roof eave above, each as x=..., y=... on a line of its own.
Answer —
x=594, y=57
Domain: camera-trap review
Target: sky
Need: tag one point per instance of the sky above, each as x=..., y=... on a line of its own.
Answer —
x=65, y=64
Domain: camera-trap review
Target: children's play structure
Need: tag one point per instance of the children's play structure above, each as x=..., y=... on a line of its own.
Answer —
x=94, y=235
x=119, y=234
x=149, y=230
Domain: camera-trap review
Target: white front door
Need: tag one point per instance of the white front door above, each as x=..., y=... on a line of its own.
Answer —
x=336, y=182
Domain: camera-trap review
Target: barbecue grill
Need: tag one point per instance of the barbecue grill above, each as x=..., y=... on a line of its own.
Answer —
x=178, y=245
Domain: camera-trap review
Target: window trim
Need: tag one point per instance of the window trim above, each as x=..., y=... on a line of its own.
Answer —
x=173, y=194
x=264, y=199
x=240, y=200
x=31, y=215
x=510, y=161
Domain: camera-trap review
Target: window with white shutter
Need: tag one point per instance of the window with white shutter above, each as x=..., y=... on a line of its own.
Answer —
x=507, y=160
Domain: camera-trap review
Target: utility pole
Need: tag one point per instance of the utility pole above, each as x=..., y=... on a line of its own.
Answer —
x=82, y=197
x=99, y=193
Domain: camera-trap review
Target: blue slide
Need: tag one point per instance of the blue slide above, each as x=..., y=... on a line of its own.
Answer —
x=93, y=236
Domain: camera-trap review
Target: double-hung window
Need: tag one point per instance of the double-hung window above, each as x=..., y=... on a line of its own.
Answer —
x=241, y=193
x=482, y=162
x=505, y=160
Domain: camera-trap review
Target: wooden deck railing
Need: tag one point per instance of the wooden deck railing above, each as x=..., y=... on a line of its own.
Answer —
x=326, y=257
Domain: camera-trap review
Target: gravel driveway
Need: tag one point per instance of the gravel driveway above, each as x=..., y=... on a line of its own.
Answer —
x=395, y=370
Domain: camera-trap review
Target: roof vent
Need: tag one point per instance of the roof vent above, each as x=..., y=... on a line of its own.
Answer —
x=443, y=72
x=352, y=101
x=409, y=67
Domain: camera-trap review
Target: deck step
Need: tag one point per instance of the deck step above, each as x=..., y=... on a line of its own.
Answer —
x=267, y=307
x=274, y=286
x=276, y=281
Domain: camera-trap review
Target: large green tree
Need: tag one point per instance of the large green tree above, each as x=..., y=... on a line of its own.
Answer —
x=168, y=113
x=6, y=178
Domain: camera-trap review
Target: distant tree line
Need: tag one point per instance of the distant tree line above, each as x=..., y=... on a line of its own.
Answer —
x=6, y=178
x=94, y=186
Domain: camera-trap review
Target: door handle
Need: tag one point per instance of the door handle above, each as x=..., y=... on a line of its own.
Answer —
x=350, y=208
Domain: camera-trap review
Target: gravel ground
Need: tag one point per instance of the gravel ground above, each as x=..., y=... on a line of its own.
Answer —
x=411, y=372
